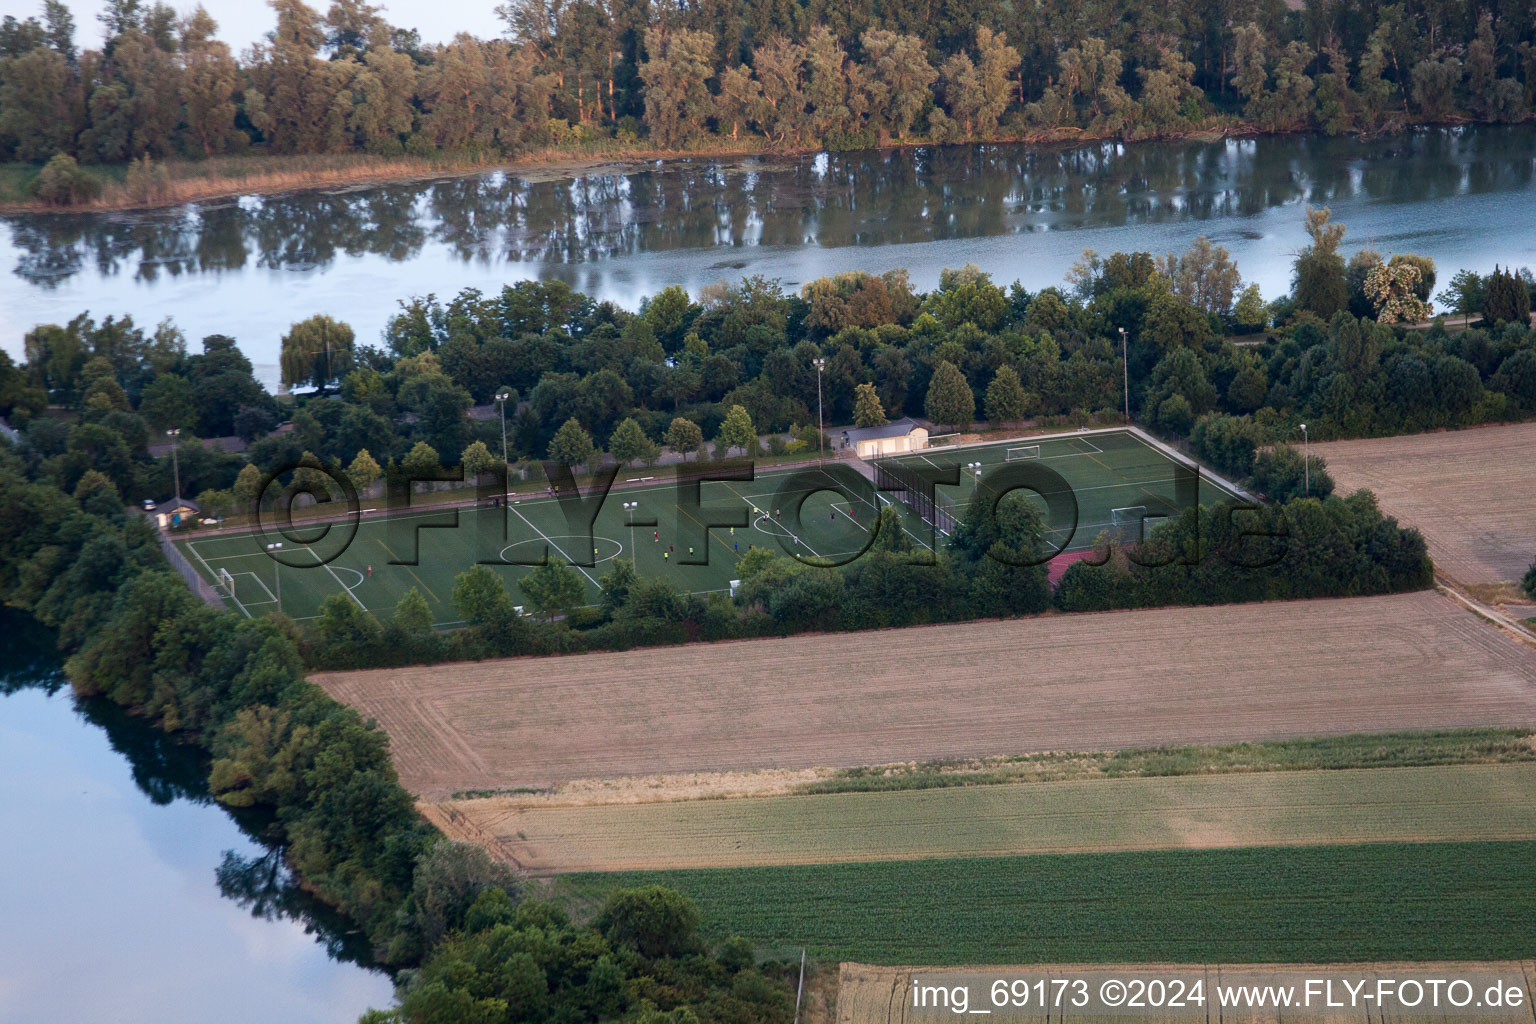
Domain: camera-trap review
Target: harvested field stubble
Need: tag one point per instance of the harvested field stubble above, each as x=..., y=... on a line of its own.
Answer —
x=1085, y=682
x=872, y=994
x=1472, y=493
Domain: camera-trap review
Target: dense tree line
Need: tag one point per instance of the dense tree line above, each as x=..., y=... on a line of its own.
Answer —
x=1306, y=547
x=787, y=72
x=584, y=381
x=338, y=816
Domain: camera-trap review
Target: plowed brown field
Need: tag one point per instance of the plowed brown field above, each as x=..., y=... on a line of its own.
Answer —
x=1061, y=682
x=1472, y=493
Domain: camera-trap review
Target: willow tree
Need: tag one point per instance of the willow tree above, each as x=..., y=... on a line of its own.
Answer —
x=316, y=351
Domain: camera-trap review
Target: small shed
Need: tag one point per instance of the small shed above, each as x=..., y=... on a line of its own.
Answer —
x=174, y=512
x=896, y=438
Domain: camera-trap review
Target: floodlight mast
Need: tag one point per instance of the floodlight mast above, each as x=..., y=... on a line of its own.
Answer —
x=821, y=426
x=506, y=468
x=277, y=574
x=173, y=434
x=629, y=509
x=1306, y=461
x=1125, y=368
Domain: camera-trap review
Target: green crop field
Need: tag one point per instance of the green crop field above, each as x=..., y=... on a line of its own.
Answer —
x=1444, y=803
x=1388, y=901
x=789, y=510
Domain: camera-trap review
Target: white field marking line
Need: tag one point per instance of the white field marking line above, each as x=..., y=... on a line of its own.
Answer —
x=192, y=547
x=754, y=497
x=569, y=560
x=502, y=554
x=786, y=534
x=340, y=584
x=271, y=598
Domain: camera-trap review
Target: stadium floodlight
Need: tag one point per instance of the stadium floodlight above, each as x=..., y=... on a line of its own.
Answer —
x=629, y=511
x=974, y=467
x=174, y=433
x=506, y=469
x=277, y=573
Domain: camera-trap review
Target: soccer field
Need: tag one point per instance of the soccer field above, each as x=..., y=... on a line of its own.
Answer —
x=428, y=548
x=1118, y=481
x=1115, y=476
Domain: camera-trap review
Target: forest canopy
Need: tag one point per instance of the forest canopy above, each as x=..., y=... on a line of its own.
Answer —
x=782, y=73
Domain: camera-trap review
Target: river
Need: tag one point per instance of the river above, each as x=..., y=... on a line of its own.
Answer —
x=111, y=890
x=249, y=267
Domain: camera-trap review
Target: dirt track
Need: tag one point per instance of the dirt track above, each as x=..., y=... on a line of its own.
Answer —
x=1079, y=682
x=1472, y=493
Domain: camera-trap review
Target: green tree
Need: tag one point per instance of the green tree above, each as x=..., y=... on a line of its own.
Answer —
x=168, y=402
x=684, y=437
x=629, y=443
x=1250, y=314
x=899, y=80
x=62, y=182
x=1205, y=275
x=412, y=615
x=316, y=351
x=867, y=411
x=950, y=400
x=246, y=483
x=676, y=98
x=480, y=598
x=617, y=583
x=652, y=920
x=364, y=471
x=553, y=588
x=737, y=431
x=572, y=445
x=476, y=459
x=1529, y=582
x=1321, y=285
x=1506, y=298
x=344, y=622
x=1006, y=401
x=421, y=461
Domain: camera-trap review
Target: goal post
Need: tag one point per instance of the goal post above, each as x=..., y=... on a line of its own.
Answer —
x=1023, y=451
x=1125, y=520
x=225, y=582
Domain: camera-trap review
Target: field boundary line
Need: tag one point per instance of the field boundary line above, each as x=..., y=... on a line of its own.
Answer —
x=1178, y=456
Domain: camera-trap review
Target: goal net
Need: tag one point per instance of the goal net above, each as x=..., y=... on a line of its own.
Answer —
x=1129, y=521
x=225, y=582
x=1026, y=451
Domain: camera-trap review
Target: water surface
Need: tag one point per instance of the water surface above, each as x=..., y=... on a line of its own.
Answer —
x=109, y=887
x=250, y=267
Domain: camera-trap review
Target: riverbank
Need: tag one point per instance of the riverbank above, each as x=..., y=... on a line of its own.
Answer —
x=187, y=181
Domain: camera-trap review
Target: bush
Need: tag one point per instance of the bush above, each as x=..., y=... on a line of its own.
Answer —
x=63, y=182
x=147, y=181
